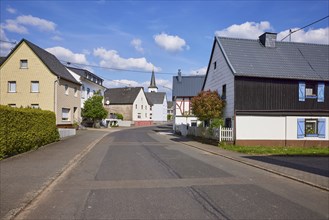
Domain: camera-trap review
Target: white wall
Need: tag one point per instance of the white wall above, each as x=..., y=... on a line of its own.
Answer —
x=218, y=77
x=142, y=107
x=159, y=111
x=272, y=128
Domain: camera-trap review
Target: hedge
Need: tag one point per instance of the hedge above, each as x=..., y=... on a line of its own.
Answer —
x=24, y=129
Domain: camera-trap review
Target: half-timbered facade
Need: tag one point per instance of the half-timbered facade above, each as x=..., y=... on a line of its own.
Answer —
x=184, y=89
x=277, y=93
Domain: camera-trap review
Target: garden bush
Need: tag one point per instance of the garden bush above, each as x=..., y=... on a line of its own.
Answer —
x=24, y=129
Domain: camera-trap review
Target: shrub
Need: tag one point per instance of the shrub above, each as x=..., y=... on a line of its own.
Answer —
x=24, y=129
x=119, y=116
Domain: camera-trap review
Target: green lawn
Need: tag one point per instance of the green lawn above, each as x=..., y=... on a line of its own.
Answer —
x=261, y=150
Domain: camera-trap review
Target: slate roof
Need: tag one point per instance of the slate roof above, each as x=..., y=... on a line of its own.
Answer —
x=52, y=63
x=86, y=74
x=189, y=86
x=288, y=60
x=152, y=82
x=125, y=95
x=2, y=59
x=155, y=97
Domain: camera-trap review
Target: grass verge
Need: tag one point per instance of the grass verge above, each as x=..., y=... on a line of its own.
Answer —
x=288, y=151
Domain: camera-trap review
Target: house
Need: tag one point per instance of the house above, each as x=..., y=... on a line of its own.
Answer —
x=31, y=76
x=131, y=102
x=170, y=108
x=184, y=89
x=277, y=93
x=90, y=83
x=158, y=102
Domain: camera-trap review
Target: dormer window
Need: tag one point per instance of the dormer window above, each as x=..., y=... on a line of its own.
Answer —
x=23, y=64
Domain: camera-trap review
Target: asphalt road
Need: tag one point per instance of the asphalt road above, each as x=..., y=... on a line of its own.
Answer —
x=141, y=174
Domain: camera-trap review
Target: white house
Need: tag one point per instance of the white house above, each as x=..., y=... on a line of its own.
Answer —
x=277, y=93
x=91, y=83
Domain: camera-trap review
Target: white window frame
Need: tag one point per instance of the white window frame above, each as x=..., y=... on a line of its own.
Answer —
x=66, y=114
x=23, y=64
x=12, y=86
x=35, y=106
x=35, y=83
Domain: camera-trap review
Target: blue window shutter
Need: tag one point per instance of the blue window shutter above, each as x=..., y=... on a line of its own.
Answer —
x=321, y=92
x=301, y=92
x=300, y=127
x=322, y=127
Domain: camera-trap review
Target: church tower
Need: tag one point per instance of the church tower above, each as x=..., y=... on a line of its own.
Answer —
x=152, y=87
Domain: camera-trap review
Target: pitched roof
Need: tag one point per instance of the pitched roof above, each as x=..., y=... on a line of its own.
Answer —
x=2, y=59
x=125, y=95
x=188, y=86
x=155, y=97
x=287, y=60
x=152, y=82
x=86, y=74
x=52, y=63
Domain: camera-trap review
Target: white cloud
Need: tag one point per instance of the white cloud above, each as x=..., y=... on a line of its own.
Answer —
x=121, y=83
x=320, y=36
x=137, y=44
x=253, y=30
x=67, y=55
x=11, y=10
x=248, y=29
x=5, y=47
x=111, y=59
x=19, y=24
x=57, y=38
x=201, y=71
x=170, y=43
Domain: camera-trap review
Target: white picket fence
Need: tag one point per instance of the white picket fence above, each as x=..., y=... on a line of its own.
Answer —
x=220, y=134
x=225, y=134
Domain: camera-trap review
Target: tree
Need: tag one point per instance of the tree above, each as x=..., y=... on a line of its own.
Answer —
x=93, y=109
x=207, y=105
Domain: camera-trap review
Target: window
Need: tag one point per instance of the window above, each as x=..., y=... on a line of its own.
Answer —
x=224, y=92
x=12, y=86
x=34, y=86
x=311, y=127
x=23, y=64
x=83, y=91
x=228, y=122
x=12, y=105
x=75, y=91
x=66, y=89
x=194, y=123
x=65, y=114
x=311, y=90
x=136, y=106
x=139, y=115
x=34, y=105
x=142, y=107
x=145, y=115
x=88, y=92
x=215, y=65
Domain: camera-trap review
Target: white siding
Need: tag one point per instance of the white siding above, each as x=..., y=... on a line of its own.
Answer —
x=159, y=111
x=272, y=128
x=220, y=76
x=143, y=108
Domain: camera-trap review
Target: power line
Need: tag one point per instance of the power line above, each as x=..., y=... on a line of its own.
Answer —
x=117, y=69
x=10, y=42
x=291, y=32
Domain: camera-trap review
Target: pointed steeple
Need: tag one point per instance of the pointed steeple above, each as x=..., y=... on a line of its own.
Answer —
x=152, y=87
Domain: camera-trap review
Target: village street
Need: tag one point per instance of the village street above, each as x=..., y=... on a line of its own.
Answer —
x=146, y=173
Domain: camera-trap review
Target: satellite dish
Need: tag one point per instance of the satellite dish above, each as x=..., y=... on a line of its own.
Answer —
x=107, y=102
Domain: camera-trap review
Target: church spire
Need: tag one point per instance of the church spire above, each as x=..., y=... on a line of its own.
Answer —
x=153, y=87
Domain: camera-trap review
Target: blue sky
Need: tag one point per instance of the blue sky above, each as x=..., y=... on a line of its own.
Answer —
x=142, y=35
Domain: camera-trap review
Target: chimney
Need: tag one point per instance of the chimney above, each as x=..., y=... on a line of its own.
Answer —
x=179, y=76
x=268, y=39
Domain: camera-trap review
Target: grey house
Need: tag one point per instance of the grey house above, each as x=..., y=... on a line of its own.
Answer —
x=277, y=93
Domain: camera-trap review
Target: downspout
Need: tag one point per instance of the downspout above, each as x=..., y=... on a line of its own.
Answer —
x=56, y=82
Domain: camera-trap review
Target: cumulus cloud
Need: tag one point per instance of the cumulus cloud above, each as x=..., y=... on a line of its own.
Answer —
x=137, y=44
x=111, y=59
x=19, y=24
x=320, y=36
x=201, y=71
x=5, y=46
x=11, y=10
x=248, y=29
x=67, y=55
x=170, y=43
x=121, y=83
x=57, y=38
x=253, y=30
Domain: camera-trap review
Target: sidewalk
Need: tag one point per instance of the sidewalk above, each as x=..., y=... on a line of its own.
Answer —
x=310, y=170
x=24, y=176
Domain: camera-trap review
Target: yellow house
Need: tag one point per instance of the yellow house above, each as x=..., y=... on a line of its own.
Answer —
x=31, y=76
